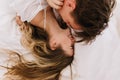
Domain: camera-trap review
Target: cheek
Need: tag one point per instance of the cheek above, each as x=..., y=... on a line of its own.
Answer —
x=76, y=27
x=63, y=13
x=68, y=50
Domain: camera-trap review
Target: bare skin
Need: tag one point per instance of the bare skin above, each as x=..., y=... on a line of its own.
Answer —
x=58, y=37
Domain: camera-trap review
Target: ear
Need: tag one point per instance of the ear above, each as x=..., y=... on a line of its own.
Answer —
x=53, y=45
x=71, y=4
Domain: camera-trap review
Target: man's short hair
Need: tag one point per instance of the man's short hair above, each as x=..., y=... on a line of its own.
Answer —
x=93, y=16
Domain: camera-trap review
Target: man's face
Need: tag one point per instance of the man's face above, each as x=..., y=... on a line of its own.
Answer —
x=65, y=13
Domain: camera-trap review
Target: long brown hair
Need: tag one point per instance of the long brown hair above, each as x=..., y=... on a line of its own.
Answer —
x=47, y=64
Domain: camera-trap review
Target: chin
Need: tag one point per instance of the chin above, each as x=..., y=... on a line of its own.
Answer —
x=70, y=54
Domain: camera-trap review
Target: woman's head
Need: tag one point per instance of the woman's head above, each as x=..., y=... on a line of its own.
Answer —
x=62, y=41
x=54, y=36
x=47, y=64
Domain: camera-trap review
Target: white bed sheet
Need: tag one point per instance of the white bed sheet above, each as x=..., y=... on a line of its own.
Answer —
x=9, y=33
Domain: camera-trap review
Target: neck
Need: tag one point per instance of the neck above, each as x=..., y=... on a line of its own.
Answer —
x=52, y=26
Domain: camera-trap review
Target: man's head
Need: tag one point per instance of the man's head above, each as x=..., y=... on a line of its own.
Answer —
x=90, y=16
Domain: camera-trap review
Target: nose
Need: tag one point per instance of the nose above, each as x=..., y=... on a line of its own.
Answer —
x=72, y=39
x=71, y=36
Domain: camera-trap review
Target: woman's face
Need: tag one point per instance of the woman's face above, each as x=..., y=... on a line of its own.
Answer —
x=61, y=38
x=64, y=40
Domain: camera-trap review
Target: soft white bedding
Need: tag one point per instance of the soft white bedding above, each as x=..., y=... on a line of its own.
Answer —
x=97, y=61
x=9, y=33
